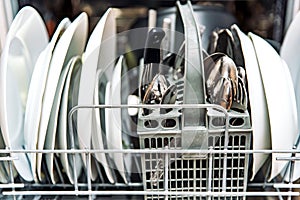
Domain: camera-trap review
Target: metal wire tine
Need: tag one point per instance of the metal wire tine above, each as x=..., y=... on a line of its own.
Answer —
x=71, y=128
x=10, y=164
x=75, y=172
x=292, y=168
x=166, y=176
x=12, y=178
x=280, y=196
x=292, y=165
x=89, y=168
x=72, y=140
x=210, y=169
x=152, y=106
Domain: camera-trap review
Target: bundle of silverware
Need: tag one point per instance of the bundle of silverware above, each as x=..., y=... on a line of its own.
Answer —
x=155, y=87
x=224, y=69
x=225, y=74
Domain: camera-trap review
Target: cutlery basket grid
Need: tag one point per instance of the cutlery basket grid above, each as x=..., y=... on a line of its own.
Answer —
x=196, y=175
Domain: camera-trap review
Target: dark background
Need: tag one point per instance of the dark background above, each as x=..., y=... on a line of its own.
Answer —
x=263, y=17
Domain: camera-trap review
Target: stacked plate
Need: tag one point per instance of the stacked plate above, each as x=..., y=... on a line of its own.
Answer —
x=42, y=80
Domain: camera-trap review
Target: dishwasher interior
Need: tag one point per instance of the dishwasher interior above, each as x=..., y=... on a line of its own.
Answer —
x=150, y=100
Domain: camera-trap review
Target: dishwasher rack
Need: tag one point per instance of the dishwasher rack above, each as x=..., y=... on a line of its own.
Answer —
x=86, y=188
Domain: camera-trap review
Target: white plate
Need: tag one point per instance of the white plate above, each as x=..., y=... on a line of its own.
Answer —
x=296, y=173
x=290, y=48
x=71, y=43
x=289, y=52
x=91, y=61
x=62, y=120
x=114, y=135
x=53, y=120
x=99, y=53
x=17, y=63
x=37, y=88
x=258, y=104
x=280, y=102
x=97, y=141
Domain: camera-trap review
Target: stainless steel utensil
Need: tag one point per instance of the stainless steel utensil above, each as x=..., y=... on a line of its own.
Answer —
x=152, y=58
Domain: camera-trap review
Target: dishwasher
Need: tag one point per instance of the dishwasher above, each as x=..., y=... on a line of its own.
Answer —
x=149, y=100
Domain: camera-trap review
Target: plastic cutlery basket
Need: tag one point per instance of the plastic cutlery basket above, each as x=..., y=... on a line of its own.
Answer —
x=187, y=175
x=194, y=152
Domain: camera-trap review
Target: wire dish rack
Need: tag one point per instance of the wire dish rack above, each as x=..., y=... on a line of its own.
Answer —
x=218, y=172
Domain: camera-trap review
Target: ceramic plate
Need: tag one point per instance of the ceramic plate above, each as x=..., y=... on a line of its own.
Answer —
x=62, y=132
x=98, y=139
x=114, y=135
x=99, y=54
x=289, y=52
x=296, y=174
x=53, y=120
x=290, y=48
x=71, y=43
x=37, y=88
x=17, y=63
x=281, y=103
x=94, y=51
x=258, y=104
